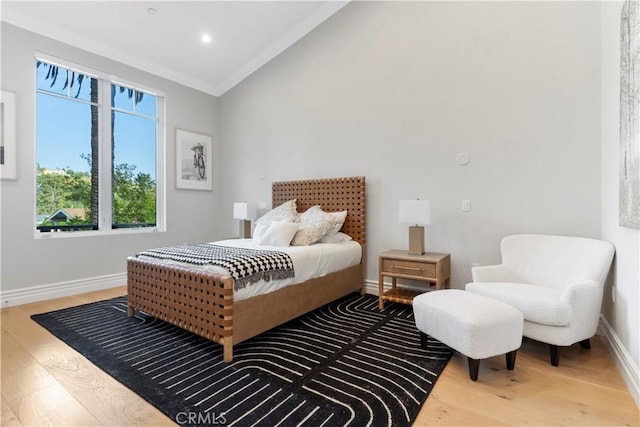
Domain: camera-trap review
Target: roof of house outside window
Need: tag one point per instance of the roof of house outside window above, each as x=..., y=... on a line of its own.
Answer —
x=67, y=214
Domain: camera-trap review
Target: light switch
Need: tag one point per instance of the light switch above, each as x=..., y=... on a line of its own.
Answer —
x=466, y=205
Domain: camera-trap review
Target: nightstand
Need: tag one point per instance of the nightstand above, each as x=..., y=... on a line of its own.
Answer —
x=433, y=268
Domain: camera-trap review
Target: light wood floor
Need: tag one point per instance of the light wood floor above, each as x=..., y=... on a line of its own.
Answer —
x=44, y=382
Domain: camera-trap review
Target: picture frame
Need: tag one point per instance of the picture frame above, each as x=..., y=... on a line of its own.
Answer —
x=7, y=135
x=194, y=161
x=629, y=181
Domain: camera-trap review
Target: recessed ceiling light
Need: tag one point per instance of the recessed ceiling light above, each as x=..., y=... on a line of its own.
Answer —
x=151, y=11
x=206, y=38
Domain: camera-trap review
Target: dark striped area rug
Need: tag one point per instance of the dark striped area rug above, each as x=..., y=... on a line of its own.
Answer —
x=345, y=364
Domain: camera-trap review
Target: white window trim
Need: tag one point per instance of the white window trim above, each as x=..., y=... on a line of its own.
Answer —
x=105, y=159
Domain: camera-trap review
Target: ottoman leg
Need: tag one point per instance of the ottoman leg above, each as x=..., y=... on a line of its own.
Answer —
x=511, y=360
x=474, y=366
x=423, y=340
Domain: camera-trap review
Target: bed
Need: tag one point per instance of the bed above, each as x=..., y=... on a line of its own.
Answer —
x=203, y=302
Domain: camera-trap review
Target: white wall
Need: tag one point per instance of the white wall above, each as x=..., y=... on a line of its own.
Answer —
x=622, y=315
x=28, y=262
x=395, y=90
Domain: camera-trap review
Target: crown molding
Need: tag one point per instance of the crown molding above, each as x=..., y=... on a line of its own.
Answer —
x=87, y=43
x=282, y=43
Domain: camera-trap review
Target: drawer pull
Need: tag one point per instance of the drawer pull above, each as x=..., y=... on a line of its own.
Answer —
x=400, y=267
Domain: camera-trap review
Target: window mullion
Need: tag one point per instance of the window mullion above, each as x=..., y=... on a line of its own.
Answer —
x=160, y=165
x=70, y=76
x=105, y=166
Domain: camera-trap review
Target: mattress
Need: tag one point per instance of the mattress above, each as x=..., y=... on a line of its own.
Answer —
x=309, y=262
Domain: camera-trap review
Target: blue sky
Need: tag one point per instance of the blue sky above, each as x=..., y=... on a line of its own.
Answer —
x=64, y=130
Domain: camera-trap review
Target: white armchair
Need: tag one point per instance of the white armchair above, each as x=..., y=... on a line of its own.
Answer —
x=556, y=282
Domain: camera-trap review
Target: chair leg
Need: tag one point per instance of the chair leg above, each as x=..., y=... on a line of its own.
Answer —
x=586, y=344
x=474, y=366
x=511, y=359
x=424, y=338
x=555, y=355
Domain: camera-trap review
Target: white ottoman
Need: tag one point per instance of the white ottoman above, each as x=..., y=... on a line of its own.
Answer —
x=474, y=325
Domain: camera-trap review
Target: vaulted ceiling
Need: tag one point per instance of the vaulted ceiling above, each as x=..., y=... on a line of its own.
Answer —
x=165, y=37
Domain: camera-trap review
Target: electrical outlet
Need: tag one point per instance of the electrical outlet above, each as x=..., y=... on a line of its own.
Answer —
x=613, y=294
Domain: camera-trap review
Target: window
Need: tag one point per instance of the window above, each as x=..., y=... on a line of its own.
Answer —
x=98, y=147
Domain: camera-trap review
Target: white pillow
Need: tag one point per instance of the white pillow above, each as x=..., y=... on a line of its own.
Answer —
x=339, y=237
x=279, y=233
x=259, y=230
x=340, y=216
x=314, y=223
x=287, y=210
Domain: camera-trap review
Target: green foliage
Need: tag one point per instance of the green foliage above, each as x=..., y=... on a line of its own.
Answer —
x=61, y=189
x=134, y=194
x=134, y=198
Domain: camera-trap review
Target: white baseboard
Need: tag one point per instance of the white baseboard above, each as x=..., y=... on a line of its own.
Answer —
x=371, y=287
x=61, y=289
x=623, y=360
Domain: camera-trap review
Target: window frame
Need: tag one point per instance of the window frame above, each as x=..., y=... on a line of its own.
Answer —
x=105, y=80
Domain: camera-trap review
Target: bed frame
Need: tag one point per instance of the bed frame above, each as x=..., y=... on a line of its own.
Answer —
x=202, y=302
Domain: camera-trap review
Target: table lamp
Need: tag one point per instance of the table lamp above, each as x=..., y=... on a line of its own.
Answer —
x=244, y=212
x=416, y=212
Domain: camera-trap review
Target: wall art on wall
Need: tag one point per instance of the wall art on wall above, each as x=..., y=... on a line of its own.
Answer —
x=630, y=114
x=8, y=135
x=194, y=161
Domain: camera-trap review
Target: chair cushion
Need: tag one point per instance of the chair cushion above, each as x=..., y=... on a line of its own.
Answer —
x=537, y=303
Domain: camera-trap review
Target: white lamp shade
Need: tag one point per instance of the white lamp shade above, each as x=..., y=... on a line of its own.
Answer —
x=244, y=210
x=415, y=212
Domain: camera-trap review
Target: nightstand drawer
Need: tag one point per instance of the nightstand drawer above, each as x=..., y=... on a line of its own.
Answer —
x=409, y=268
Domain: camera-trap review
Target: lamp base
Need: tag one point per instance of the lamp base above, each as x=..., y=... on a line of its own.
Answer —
x=416, y=240
x=245, y=228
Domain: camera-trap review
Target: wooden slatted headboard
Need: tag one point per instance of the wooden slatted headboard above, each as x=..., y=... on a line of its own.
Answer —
x=333, y=195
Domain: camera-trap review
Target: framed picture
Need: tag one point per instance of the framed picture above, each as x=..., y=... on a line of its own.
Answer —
x=194, y=161
x=8, y=135
x=629, y=197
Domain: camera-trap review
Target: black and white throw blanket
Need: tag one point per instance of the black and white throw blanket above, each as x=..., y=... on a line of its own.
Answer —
x=246, y=266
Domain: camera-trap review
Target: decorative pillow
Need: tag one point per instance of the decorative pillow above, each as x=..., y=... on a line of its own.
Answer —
x=279, y=233
x=259, y=230
x=314, y=223
x=287, y=210
x=340, y=216
x=339, y=237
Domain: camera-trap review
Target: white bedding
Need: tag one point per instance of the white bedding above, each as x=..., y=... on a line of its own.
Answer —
x=308, y=261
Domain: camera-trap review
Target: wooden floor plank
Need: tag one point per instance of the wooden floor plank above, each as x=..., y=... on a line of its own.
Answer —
x=585, y=390
x=52, y=405
x=7, y=417
x=21, y=373
x=576, y=393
